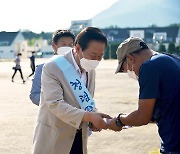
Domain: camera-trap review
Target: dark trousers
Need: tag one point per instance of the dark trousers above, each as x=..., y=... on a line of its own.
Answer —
x=19, y=72
x=77, y=147
x=33, y=70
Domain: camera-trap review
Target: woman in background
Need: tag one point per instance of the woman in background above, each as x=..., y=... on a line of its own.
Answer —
x=18, y=67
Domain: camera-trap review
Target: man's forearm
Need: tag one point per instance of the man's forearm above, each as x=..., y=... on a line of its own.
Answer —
x=142, y=115
x=134, y=119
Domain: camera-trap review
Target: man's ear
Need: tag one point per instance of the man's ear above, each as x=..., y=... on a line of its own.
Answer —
x=54, y=46
x=130, y=59
x=77, y=48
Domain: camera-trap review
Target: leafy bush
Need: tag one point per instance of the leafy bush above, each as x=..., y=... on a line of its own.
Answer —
x=110, y=52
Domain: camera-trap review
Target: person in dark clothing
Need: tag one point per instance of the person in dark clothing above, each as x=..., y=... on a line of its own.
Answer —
x=159, y=90
x=18, y=67
x=32, y=63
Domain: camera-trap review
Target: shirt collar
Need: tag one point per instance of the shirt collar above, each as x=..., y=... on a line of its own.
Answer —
x=75, y=64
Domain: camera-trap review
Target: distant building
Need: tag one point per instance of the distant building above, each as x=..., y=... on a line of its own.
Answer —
x=137, y=33
x=11, y=43
x=40, y=46
x=78, y=25
x=46, y=52
x=150, y=34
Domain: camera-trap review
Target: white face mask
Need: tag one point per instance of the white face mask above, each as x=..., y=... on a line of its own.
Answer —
x=63, y=50
x=87, y=64
x=132, y=74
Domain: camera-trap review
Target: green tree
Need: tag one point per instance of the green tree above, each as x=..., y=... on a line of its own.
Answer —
x=153, y=25
x=162, y=48
x=31, y=42
x=171, y=48
x=178, y=50
x=106, y=53
x=112, y=47
x=112, y=27
x=174, y=25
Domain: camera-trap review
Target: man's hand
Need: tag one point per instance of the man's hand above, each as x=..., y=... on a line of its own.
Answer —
x=94, y=129
x=96, y=119
x=112, y=125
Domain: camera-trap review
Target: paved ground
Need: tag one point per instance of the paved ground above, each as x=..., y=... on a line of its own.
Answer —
x=114, y=94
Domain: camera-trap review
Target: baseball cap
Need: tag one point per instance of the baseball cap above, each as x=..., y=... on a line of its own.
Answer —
x=130, y=45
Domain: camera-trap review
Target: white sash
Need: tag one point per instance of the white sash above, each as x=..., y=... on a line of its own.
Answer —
x=78, y=88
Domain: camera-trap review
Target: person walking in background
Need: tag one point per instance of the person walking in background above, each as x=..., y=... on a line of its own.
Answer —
x=62, y=41
x=32, y=63
x=18, y=67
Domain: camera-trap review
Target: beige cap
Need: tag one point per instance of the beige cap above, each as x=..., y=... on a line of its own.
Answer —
x=130, y=45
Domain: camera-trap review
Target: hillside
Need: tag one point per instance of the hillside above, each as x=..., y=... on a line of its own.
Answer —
x=139, y=13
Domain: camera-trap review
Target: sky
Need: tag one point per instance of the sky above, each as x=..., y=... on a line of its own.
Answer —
x=47, y=15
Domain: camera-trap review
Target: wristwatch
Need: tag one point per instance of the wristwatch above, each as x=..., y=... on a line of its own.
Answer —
x=118, y=121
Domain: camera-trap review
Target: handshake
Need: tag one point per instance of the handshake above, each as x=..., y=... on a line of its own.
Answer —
x=97, y=123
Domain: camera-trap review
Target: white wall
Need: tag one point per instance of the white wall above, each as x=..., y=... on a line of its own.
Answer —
x=47, y=51
x=137, y=33
x=6, y=52
x=160, y=36
x=17, y=43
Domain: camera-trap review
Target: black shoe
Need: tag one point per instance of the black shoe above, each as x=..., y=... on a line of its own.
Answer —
x=24, y=81
x=12, y=80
